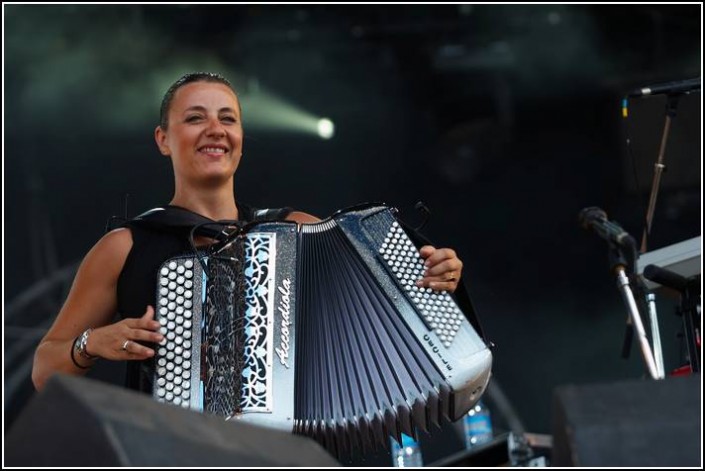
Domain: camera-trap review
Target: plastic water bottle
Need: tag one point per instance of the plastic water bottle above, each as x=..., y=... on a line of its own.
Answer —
x=408, y=455
x=477, y=425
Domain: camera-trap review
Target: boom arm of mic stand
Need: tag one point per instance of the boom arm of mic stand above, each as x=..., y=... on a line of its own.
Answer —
x=619, y=267
x=671, y=106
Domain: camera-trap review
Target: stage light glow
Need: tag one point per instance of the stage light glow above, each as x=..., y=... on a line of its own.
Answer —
x=326, y=128
x=262, y=109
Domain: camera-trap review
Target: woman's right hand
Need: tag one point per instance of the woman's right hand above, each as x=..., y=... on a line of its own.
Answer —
x=92, y=302
x=124, y=340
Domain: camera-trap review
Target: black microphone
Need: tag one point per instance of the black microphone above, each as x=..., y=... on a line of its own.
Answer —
x=666, y=278
x=596, y=219
x=670, y=88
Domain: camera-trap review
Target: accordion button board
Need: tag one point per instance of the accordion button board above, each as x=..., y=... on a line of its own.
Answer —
x=441, y=314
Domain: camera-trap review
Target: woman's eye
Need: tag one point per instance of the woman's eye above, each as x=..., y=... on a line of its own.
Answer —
x=229, y=119
x=190, y=119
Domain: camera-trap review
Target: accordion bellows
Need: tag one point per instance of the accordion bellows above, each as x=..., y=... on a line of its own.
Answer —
x=318, y=329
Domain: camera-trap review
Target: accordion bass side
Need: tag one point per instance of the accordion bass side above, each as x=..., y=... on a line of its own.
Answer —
x=318, y=329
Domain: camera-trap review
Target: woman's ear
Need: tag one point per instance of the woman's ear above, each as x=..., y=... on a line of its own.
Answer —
x=160, y=138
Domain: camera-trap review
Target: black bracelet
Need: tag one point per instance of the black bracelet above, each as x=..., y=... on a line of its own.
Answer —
x=73, y=359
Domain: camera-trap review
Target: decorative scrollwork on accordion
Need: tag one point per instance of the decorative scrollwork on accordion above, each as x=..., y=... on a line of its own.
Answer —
x=259, y=275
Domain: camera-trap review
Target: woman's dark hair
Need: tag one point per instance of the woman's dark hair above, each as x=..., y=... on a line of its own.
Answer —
x=186, y=79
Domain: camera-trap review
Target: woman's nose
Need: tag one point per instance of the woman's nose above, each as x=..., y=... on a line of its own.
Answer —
x=215, y=128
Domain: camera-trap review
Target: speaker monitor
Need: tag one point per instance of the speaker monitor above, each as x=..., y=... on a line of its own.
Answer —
x=629, y=423
x=81, y=422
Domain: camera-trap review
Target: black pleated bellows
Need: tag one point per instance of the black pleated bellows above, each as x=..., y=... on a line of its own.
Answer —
x=361, y=373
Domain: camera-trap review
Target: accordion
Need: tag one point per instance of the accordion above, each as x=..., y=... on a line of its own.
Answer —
x=318, y=329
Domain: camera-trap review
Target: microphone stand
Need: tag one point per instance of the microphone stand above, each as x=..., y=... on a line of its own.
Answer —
x=659, y=167
x=619, y=266
x=671, y=105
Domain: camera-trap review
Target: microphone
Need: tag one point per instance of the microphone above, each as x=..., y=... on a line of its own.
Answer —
x=670, y=88
x=666, y=278
x=595, y=219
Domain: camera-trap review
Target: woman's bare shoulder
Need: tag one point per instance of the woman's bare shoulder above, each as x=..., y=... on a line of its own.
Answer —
x=301, y=217
x=112, y=248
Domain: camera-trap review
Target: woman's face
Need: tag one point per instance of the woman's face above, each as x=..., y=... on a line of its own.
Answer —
x=204, y=137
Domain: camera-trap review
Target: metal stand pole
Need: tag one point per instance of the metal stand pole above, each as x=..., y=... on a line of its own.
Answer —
x=620, y=263
x=655, y=334
x=630, y=302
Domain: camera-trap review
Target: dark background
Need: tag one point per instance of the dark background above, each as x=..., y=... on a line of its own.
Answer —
x=504, y=119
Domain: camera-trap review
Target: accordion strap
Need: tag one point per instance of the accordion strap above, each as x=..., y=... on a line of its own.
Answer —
x=461, y=295
x=271, y=214
x=181, y=218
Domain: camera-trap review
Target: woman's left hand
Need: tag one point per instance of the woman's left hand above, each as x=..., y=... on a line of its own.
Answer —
x=443, y=269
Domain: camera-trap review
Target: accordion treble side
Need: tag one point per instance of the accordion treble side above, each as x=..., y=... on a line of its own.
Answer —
x=318, y=329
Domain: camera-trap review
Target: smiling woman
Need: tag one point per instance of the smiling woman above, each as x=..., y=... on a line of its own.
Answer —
x=200, y=130
x=202, y=134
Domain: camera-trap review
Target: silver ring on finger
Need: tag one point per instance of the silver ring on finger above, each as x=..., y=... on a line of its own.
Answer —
x=124, y=345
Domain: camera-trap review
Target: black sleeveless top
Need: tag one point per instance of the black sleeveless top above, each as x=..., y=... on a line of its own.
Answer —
x=152, y=245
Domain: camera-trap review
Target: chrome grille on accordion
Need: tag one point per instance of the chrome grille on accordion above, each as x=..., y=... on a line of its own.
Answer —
x=318, y=329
